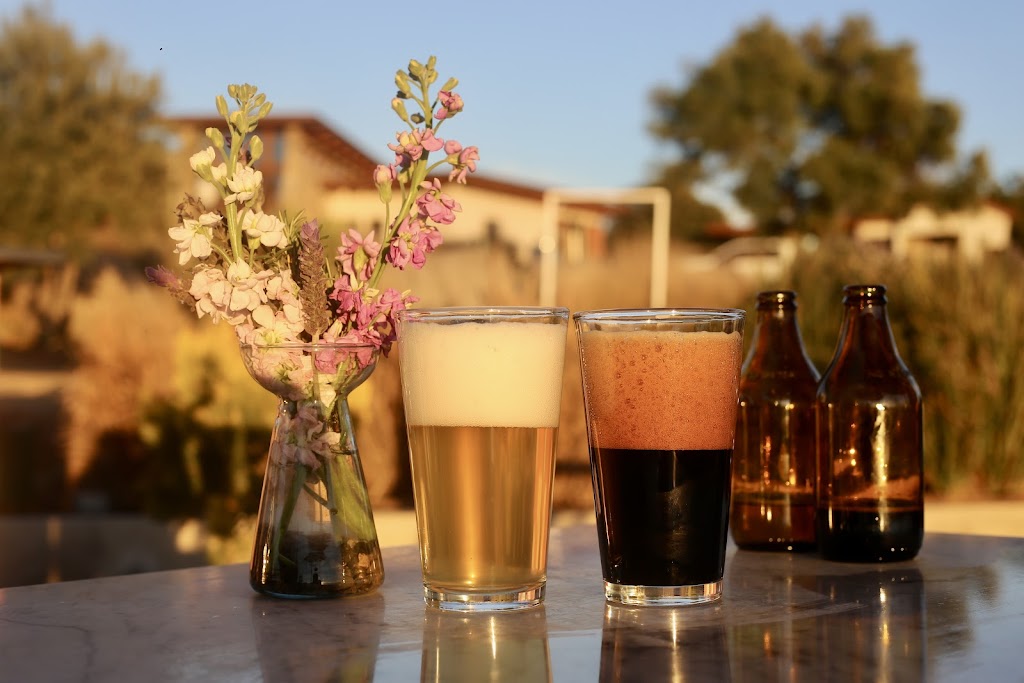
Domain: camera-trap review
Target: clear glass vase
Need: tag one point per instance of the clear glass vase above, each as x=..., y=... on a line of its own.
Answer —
x=315, y=536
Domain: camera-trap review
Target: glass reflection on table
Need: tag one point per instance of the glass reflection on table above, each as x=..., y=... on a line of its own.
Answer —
x=295, y=645
x=494, y=647
x=661, y=644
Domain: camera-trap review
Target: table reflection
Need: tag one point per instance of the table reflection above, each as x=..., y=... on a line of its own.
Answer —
x=658, y=644
x=883, y=638
x=865, y=625
x=495, y=647
x=331, y=640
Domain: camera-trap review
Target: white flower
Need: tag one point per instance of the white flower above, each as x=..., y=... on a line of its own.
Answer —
x=193, y=240
x=210, y=219
x=201, y=161
x=269, y=230
x=212, y=293
x=244, y=184
x=275, y=326
x=248, y=289
x=219, y=174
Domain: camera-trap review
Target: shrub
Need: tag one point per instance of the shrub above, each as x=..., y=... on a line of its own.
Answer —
x=960, y=329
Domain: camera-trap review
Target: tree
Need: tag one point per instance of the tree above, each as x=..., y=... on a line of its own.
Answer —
x=813, y=130
x=77, y=136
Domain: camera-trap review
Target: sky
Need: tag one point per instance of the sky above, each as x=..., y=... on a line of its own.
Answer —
x=557, y=92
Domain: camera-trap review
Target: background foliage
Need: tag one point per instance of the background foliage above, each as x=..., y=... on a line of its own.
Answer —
x=960, y=330
x=811, y=130
x=78, y=136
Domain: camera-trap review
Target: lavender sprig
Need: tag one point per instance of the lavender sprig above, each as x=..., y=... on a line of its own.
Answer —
x=313, y=281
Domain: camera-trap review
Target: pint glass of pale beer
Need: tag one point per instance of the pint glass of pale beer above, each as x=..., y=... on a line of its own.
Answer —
x=482, y=390
x=660, y=391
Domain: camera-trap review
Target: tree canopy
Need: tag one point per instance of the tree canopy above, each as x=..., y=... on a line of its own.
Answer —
x=812, y=130
x=77, y=136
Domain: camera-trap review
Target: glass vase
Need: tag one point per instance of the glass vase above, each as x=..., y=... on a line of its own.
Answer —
x=315, y=536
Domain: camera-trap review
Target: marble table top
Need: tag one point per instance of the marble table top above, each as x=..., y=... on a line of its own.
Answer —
x=955, y=613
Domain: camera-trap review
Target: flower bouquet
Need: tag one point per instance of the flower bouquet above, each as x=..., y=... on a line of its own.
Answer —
x=310, y=327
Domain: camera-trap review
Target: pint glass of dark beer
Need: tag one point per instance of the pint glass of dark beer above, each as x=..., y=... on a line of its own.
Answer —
x=660, y=391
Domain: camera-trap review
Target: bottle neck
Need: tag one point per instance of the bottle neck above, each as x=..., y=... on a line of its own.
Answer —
x=865, y=335
x=777, y=346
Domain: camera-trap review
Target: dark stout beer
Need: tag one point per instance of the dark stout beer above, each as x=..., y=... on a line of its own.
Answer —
x=869, y=533
x=665, y=513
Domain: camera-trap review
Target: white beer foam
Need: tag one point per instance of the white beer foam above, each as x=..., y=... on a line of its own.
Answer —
x=504, y=374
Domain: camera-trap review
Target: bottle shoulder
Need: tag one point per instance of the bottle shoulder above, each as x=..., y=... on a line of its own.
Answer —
x=889, y=388
x=774, y=386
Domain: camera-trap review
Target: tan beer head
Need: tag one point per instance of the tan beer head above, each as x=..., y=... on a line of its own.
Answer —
x=661, y=390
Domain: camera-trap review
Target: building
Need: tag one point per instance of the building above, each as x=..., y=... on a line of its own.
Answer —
x=969, y=234
x=306, y=165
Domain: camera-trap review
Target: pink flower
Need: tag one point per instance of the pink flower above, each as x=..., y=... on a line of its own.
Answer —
x=391, y=302
x=305, y=438
x=384, y=177
x=429, y=142
x=463, y=160
x=452, y=147
x=413, y=240
x=436, y=205
x=412, y=143
x=326, y=359
x=357, y=255
x=451, y=104
x=384, y=174
x=363, y=354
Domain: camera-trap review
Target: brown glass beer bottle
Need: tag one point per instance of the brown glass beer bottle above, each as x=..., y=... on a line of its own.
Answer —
x=773, y=471
x=870, y=457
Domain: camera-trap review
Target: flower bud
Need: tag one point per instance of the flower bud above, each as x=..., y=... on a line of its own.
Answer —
x=383, y=177
x=399, y=106
x=450, y=84
x=402, y=81
x=216, y=137
x=255, y=147
x=222, y=106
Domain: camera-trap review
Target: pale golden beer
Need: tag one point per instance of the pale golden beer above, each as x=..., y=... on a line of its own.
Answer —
x=482, y=393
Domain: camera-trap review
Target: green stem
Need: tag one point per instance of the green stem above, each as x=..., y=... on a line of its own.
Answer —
x=316, y=496
x=346, y=492
x=223, y=254
x=298, y=481
x=234, y=234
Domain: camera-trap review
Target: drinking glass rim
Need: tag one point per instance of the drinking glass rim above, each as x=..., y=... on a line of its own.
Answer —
x=471, y=313
x=635, y=315
x=301, y=345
